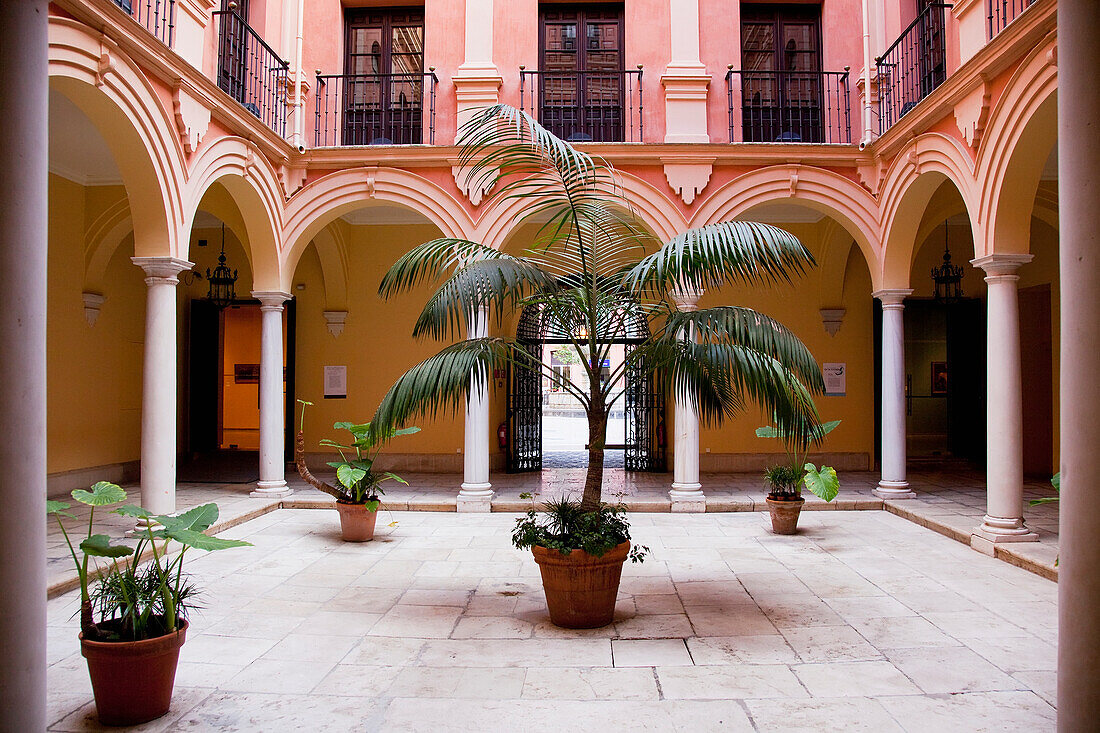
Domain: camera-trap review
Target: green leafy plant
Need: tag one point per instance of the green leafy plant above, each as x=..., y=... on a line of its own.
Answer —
x=357, y=481
x=594, y=275
x=1056, y=482
x=564, y=525
x=137, y=601
x=785, y=480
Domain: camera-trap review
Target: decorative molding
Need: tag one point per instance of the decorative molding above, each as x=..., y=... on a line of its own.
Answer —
x=93, y=302
x=892, y=296
x=106, y=64
x=972, y=113
x=475, y=191
x=162, y=268
x=192, y=118
x=688, y=177
x=832, y=318
x=271, y=298
x=372, y=177
x=1000, y=264
x=334, y=321
x=686, y=299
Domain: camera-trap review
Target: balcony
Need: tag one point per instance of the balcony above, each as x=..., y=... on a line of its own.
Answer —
x=158, y=16
x=1003, y=12
x=375, y=109
x=913, y=67
x=789, y=107
x=250, y=71
x=585, y=106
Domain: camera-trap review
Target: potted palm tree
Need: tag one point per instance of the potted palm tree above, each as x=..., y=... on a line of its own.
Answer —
x=358, y=491
x=133, y=621
x=593, y=274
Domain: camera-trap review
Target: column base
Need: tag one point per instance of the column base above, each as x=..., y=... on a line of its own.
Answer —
x=142, y=526
x=893, y=490
x=475, y=498
x=271, y=490
x=688, y=498
x=999, y=530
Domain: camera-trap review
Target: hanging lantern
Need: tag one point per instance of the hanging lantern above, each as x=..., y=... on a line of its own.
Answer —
x=222, y=280
x=947, y=276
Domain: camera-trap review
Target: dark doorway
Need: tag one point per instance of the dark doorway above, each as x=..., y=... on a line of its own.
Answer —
x=1037, y=365
x=384, y=77
x=781, y=83
x=581, y=82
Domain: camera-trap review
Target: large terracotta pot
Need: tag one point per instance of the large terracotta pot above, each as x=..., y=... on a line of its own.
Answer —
x=356, y=521
x=785, y=515
x=580, y=588
x=132, y=680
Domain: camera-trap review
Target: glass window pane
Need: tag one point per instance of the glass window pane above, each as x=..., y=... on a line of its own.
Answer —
x=561, y=36
x=408, y=39
x=758, y=37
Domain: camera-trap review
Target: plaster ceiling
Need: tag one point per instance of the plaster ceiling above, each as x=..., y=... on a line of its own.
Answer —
x=78, y=151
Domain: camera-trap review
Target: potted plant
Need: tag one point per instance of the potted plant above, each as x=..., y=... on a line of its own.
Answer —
x=134, y=620
x=595, y=277
x=358, y=492
x=785, y=480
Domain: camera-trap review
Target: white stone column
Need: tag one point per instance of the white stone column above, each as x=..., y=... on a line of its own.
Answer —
x=1079, y=253
x=686, y=493
x=893, y=484
x=1004, y=471
x=476, y=493
x=23, y=290
x=272, y=483
x=158, y=388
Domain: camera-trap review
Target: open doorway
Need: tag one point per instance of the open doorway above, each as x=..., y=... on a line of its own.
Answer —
x=564, y=423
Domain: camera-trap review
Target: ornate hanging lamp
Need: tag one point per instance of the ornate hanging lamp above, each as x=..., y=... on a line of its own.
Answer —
x=222, y=280
x=947, y=276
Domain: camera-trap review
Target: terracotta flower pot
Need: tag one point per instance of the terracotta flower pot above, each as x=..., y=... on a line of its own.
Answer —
x=356, y=521
x=785, y=515
x=580, y=588
x=132, y=680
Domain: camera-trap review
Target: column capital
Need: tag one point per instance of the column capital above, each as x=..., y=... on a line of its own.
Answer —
x=999, y=263
x=162, y=268
x=271, y=299
x=892, y=296
x=686, y=298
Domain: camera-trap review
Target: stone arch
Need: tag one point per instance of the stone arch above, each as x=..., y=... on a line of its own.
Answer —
x=1023, y=129
x=322, y=201
x=96, y=76
x=910, y=182
x=654, y=210
x=102, y=238
x=254, y=188
x=836, y=248
x=829, y=193
x=332, y=252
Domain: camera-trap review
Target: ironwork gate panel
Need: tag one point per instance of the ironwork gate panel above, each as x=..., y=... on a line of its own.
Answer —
x=645, y=420
x=525, y=414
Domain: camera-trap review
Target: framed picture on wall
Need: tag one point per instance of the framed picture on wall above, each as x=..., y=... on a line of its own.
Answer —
x=939, y=379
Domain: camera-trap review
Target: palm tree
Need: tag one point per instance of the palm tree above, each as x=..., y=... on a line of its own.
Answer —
x=589, y=277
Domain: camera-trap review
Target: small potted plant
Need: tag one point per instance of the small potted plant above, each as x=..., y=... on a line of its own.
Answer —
x=580, y=555
x=786, y=480
x=134, y=620
x=358, y=492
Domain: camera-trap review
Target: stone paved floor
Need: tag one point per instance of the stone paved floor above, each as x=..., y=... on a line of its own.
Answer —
x=863, y=621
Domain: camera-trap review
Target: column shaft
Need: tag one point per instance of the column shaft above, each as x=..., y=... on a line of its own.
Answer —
x=893, y=484
x=272, y=483
x=476, y=492
x=23, y=288
x=1079, y=245
x=686, y=493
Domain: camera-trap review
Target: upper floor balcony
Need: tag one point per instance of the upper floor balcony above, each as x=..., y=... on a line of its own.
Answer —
x=158, y=16
x=913, y=66
x=585, y=106
x=789, y=106
x=375, y=109
x=1003, y=12
x=250, y=71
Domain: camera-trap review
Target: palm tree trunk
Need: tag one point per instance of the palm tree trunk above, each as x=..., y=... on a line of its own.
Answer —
x=597, y=438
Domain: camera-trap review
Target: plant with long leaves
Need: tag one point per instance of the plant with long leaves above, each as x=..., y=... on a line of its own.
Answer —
x=785, y=481
x=137, y=601
x=594, y=276
x=357, y=480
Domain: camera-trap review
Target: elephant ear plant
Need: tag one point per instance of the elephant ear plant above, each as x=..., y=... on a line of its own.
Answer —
x=785, y=480
x=136, y=601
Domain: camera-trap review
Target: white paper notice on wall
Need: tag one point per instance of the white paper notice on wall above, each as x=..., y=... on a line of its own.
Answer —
x=835, y=374
x=336, y=382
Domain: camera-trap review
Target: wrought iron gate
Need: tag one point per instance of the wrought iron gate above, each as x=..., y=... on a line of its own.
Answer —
x=645, y=420
x=525, y=414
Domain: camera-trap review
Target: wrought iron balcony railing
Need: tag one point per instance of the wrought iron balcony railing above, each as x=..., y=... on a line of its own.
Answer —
x=250, y=71
x=158, y=16
x=375, y=109
x=1003, y=12
x=789, y=106
x=585, y=106
x=911, y=68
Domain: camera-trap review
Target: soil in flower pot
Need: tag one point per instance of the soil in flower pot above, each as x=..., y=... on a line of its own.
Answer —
x=133, y=680
x=357, y=521
x=581, y=588
x=785, y=514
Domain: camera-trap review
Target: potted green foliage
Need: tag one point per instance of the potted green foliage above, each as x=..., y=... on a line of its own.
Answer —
x=786, y=480
x=358, y=491
x=595, y=277
x=133, y=620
